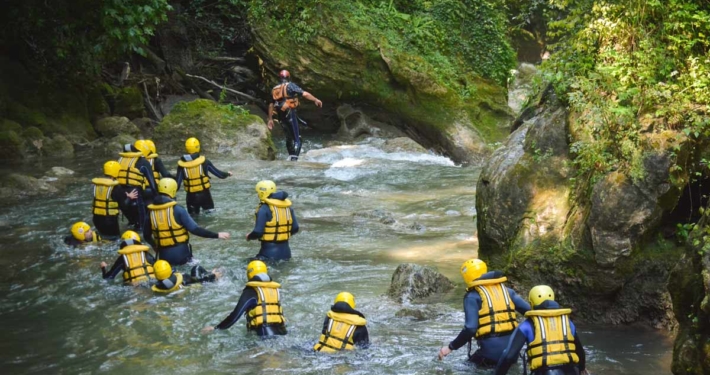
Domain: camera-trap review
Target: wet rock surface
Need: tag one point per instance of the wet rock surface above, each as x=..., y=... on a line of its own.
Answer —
x=411, y=282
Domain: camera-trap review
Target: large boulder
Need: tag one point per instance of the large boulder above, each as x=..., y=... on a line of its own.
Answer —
x=12, y=146
x=57, y=147
x=128, y=102
x=411, y=282
x=221, y=129
x=355, y=124
x=110, y=127
x=403, y=144
x=15, y=185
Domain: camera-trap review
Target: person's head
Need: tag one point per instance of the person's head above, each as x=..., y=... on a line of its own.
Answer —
x=111, y=168
x=345, y=297
x=167, y=186
x=540, y=294
x=264, y=189
x=82, y=231
x=162, y=270
x=284, y=76
x=192, y=145
x=256, y=267
x=142, y=146
x=151, y=146
x=471, y=270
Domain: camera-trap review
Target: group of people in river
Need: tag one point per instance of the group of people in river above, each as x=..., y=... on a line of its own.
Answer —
x=139, y=186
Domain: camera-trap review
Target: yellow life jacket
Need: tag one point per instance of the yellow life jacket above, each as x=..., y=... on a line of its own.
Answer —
x=268, y=305
x=279, y=227
x=103, y=204
x=280, y=92
x=137, y=268
x=196, y=179
x=497, y=313
x=151, y=160
x=340, y=331
x=554, y=342
x=129, y=174
x=166, y=231
x=167, y=282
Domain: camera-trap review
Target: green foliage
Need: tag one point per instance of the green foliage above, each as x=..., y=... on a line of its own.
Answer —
x=217, y=24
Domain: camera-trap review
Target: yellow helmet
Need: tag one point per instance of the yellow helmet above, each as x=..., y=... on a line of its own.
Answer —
x=111, y=168
x=472, y=269
x=131, y=235
x=265, y=188
x=142, y=146
x=540, y=294
x=151, y=146
x=255, y=267
x=192, y=145
x=345, y=297
x=167, y=186
x=79, y=230
x=162, y=270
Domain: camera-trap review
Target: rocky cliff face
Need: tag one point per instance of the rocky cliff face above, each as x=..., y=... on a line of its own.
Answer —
x=598, y=247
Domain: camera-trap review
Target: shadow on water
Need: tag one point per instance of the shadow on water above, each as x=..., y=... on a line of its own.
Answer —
x=58, y=315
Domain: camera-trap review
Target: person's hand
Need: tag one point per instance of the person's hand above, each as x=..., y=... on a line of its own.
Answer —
x=270, y=124
x=103, y=265
x=247, y=236
x=443, y=352
x=223, y=235
x=133, y=194
x=217, y=273
x=319, y=103
x=230, y=174
x=207, y=329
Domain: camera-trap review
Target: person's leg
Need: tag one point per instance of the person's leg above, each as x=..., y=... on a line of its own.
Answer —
x=295, y=131
x=274, y=251
x=288, y=132
x=480, y=361
x=206, y=201
x=192, y=203
x=107, y=226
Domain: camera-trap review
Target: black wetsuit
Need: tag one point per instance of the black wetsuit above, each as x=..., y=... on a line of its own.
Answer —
x=361, y=337
x=203, y=199
x=247, y=301
x=525, y=334
x=120, y=265
x=272, y=250
x=136, y=212
x=197, y=275
x=107, y=225
x=180, y=253
x=289, y=121
x=489, y=349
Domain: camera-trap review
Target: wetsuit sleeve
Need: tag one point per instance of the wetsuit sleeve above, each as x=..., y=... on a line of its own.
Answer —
x=148, y=232
x=147, y=171
x=262, y=217
x=118, y=267
x=212, y=169
x=188, y=279
x=294, y=227
x=160, y=167
x=179, y=176
x=510, y=354
x=184, y=219
x=521, y=305
x=579, y=349
x=361, y=337
x=247, y=301
x=471, y=305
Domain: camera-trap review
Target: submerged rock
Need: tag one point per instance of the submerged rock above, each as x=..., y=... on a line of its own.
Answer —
x=382, y=216
x=60, y=172
x=403, y=144
x=418, y=314
x=411, y=281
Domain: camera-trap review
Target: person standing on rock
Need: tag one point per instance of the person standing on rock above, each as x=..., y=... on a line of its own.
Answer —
x=551, y=337
x=260, y=302
x=285, y=96
x=490, y=309
x=275, y=222
x=193, y=170
x=109, y=196
x=169, y=226
x=136, y=174
x=344, y=327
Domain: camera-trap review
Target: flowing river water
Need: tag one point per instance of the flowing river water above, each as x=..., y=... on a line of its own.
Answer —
x=59, y=316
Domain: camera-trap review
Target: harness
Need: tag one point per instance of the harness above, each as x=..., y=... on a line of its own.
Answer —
x=553, y=344
x=168, y=285
x=196, y=179
x=278, y=229
x=339, y=334
x=280, y=92
x=129, y=174
x=166, y=231
x=268, y=307
x=137, y=268
x=103, y=204
x=497, y=314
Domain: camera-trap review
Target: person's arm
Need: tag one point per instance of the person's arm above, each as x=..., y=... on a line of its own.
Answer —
x=294, y=226
x=179, y=176
x=521, y=305
x=212, y=169
x=184, y=219
x=312, y=98
x=247, y=301
x=118, y=267
x=148, y=232
x=579, y=349
x=160, y=167
x=270, y=119
x=361, y=337
x=208, y=278
x=472, y=303
x=262, y=217
x=510, y=354
x=147, y=172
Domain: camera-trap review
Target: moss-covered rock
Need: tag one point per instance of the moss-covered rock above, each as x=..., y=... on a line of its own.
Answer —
x=57, y=147
x=222, y=129
x=128, y=103
x=15, y=185
x=112, y=126
x=9, y=125
x=11, y=145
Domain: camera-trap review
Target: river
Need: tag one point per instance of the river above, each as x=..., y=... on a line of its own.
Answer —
x=59, y=316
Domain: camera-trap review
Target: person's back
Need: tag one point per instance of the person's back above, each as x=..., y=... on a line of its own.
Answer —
x=193, y=171
x=275, y=222
x=134, y=261
x=344, y=327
